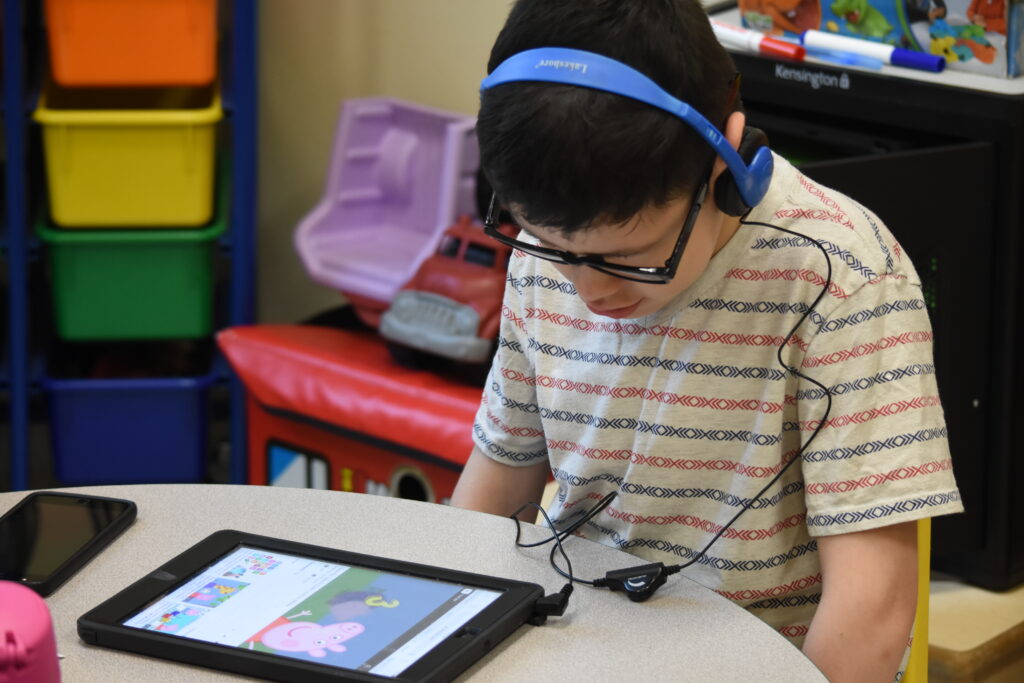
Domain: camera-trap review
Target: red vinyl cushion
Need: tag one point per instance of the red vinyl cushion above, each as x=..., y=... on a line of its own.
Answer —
x=347, y=378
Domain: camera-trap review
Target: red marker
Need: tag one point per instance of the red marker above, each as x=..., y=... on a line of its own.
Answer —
x=735, y=36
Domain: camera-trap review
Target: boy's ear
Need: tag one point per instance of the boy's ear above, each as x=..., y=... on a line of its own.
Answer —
x=735, y=125
x=746, y=140
x=733, y=132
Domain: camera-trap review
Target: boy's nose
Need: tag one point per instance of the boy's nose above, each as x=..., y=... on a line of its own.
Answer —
x=591, y=284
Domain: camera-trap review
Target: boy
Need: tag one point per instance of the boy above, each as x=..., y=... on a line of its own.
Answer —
x=669, y=393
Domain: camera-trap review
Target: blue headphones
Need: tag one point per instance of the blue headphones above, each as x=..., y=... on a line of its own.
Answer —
x=749, y=172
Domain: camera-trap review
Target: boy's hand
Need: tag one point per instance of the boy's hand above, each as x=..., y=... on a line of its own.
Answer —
x=869, y=594
x=487, y=485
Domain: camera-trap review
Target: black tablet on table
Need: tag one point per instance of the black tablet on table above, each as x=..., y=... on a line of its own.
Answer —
x=289, y=611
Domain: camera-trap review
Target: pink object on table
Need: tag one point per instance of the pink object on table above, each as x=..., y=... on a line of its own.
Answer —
x=28, y=651
x=400, y=173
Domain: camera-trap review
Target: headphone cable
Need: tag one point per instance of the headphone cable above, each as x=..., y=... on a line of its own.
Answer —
x=640, y=582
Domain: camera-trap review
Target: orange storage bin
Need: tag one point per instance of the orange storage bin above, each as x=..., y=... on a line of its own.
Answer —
x=132, y=43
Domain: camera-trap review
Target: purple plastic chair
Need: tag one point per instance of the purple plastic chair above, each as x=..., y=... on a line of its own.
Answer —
x=400, y=173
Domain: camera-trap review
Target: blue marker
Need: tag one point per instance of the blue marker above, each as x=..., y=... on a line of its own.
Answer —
x=888, y=54
x=844, y=58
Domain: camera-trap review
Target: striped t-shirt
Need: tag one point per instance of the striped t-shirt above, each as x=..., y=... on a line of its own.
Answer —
x=687, y=414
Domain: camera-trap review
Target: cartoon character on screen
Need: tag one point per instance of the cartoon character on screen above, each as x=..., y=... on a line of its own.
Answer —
x=352, y=604
x=310, y=637
x=215, y=592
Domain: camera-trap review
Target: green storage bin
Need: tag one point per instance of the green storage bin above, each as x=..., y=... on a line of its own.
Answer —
x=133, y=284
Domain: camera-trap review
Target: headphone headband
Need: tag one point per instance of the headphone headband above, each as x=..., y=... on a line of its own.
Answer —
x=591, y=70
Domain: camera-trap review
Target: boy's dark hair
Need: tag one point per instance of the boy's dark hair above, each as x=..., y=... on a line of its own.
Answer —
x=567, y=157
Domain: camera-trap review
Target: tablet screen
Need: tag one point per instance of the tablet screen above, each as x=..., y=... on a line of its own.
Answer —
x=328, y=613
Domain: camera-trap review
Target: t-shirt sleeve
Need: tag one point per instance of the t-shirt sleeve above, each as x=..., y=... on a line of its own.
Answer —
x=883, y=456
x=508, y=423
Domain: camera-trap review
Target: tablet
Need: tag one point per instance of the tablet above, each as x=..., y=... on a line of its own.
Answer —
x=289, y=611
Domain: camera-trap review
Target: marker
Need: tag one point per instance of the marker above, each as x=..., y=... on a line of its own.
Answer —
x=889, y=54
x=844, y=58
x=735, y=36
x=747, y=39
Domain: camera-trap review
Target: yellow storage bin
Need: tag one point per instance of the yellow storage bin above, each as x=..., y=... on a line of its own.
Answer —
x=130, y=158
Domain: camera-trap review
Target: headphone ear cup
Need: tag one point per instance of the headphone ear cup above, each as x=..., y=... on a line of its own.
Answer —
x=727, y=193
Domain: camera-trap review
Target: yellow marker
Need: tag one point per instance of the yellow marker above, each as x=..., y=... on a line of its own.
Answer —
x=346, y=479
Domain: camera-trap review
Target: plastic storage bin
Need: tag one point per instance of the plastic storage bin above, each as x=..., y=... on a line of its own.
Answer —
x=399, y=175
x=133, y=284
x=132, y=42
x=122, y=431
x=143, y=158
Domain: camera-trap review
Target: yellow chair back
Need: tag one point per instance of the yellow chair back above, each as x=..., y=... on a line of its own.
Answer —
x=917, y=666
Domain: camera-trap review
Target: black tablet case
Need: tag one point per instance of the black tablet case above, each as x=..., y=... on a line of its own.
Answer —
x=102, y=625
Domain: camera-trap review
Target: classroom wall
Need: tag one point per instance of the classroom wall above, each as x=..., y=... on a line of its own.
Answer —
x=316, y=53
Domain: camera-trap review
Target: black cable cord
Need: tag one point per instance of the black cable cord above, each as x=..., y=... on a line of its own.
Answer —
x=556, y=537
x=828, y=394
x=640, y=582
x=561, y=535
x=554, y=604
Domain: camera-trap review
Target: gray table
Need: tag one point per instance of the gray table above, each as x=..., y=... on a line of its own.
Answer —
x=686, y=632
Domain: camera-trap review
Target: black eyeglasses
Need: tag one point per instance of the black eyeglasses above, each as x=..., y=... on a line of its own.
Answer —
x=654, y=275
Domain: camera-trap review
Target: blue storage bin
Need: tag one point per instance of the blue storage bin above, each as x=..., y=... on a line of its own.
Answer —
x=123, y=431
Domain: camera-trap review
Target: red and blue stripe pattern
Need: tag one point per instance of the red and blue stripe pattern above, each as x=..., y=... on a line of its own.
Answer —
x=687, y=413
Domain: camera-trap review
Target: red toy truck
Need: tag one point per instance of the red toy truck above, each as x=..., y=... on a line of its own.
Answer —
x=452, y=306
